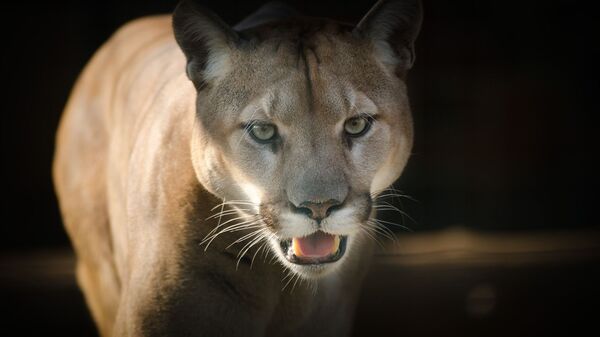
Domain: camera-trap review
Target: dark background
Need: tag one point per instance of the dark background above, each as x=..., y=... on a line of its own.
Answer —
x=502, y=94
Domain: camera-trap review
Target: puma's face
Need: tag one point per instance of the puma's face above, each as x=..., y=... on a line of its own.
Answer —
x=298, y=125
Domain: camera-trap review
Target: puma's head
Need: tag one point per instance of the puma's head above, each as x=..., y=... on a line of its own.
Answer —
x=301, y=121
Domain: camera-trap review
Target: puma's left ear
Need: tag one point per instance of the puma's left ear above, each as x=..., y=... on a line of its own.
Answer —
x=393, y=26
x=205, y=39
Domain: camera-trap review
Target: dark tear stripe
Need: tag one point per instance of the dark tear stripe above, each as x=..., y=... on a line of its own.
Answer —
x=347, y=141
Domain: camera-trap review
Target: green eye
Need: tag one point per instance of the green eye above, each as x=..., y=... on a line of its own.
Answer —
x=356, y=126
x=263, y=132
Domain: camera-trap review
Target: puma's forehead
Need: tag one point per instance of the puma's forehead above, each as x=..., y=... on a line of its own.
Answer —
x=312, y=69
x=318, y=52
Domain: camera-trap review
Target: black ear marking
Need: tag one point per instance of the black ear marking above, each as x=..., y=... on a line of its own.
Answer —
x=395, y=22
x=202, y=36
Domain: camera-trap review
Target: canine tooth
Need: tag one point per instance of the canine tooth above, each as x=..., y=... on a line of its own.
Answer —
x=336, y=244
x=296, y=248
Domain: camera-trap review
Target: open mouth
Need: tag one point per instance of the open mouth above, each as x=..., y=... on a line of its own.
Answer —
x=317, y=248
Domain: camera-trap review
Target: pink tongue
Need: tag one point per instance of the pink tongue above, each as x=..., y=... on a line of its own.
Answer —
x=316, y=245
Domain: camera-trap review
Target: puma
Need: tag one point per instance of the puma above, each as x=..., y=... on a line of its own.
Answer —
x=222, y=181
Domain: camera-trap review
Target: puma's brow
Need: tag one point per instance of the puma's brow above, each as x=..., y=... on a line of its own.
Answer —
x=369, y=117
x=245, y=125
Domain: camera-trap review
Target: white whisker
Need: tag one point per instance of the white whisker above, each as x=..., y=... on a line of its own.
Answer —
x=294, y=285
x=393, y=224
x=234, y=202
x=382, y=230
x=244, y=224
x=227, y=212
x=290, y=276
x=249, y=246
x=228, y=221
x=240, y=226
x=246, y=236
x=257, y=251
x=366, y=231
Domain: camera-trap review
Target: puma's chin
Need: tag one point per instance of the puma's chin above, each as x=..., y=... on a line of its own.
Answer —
x=314, y=255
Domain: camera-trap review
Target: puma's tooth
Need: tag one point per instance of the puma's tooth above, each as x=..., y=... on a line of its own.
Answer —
x=296, y=247
x=336, y=244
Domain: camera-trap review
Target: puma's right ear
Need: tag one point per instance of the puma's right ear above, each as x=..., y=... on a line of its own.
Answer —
x=205, y=39
x=393, y=26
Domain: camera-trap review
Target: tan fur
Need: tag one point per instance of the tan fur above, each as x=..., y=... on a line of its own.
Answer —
x=140, y=163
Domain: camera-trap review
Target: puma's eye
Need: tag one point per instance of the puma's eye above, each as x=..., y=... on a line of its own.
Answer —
x=356, y=126
x=262, y=132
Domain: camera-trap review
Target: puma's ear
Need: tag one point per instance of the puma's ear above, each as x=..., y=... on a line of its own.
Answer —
x=393, y=26
x=206, y=41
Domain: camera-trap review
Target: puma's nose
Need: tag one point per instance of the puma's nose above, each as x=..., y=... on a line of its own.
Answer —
x=318, y=210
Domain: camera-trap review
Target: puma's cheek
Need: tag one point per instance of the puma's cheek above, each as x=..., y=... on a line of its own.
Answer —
x=253, y=193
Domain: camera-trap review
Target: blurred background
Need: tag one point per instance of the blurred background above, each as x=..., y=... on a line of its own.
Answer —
x=504, y=240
